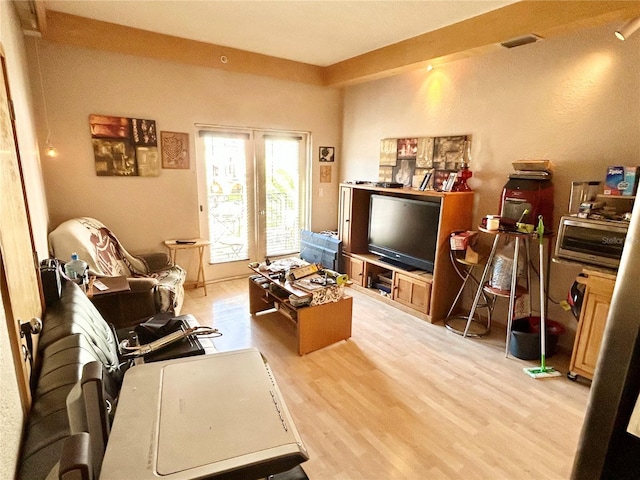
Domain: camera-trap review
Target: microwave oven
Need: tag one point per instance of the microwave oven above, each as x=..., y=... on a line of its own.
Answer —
x=586, y=240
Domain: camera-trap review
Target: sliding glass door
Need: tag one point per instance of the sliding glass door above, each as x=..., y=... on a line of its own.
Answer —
x=253, y=186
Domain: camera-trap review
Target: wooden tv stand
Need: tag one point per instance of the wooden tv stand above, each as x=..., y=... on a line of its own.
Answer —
x=426, y=295
x=317, y=326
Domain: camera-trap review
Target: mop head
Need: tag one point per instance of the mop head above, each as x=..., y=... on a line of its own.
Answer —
x=541, y=372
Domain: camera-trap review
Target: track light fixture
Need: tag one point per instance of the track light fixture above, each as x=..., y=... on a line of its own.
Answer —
x=628, y=28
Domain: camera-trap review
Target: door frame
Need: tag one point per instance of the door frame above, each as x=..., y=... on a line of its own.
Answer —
x=215, y=272
x=20, y=286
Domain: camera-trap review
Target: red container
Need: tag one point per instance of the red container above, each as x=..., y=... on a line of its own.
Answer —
x=520, y=194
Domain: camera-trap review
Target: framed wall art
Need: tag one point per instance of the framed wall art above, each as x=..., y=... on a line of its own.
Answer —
x=325, y=174
x=175, y=150
x=327, y=154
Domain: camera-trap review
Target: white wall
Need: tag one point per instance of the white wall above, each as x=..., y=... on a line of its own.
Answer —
x=143, y=211
x=573, y=100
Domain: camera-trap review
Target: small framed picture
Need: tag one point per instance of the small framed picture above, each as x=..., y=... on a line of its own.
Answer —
x=175, y=150
x=327, y=154
x=425, y=181
x=448, y=183
x=439, y=179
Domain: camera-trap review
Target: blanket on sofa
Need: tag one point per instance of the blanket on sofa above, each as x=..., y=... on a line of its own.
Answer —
x=106, y=257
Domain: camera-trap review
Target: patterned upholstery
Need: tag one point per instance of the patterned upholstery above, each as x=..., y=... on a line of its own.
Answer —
x=106, y=257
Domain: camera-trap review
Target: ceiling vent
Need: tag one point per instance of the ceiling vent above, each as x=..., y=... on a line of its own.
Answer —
x=519, y=41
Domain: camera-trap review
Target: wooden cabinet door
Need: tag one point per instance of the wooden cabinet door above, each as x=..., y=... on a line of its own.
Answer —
x=344, y=221
x=353, y=221
x=354, y=268
x=411, y=292
x=18, y=260
x=593, y=320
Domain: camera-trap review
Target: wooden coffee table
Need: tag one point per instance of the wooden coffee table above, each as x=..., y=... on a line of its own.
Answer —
x=317, y=326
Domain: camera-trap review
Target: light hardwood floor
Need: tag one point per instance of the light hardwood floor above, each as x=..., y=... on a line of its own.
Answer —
x=405, y=399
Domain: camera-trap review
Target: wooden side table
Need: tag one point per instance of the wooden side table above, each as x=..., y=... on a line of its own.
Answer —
x=199, y=243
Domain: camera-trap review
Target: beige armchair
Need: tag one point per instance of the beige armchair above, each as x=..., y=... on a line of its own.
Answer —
x=152, y=277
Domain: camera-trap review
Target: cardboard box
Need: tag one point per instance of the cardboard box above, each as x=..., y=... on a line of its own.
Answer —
x=631, y=181
x=621, y=180
x=615, y=177
x=460, y=241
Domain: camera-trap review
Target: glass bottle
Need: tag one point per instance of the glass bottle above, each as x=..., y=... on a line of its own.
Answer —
x=464, y=173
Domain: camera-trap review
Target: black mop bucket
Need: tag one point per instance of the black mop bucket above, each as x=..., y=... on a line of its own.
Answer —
x=525, y=338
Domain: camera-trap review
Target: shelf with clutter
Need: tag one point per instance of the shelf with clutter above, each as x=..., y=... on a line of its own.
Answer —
x=612, y=200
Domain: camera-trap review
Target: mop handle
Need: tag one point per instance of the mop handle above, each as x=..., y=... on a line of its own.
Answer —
x=543, y=340
x=540, y=229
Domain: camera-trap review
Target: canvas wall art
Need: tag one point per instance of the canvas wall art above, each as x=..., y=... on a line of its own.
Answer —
x=449, y=152
x=407, y=148
x=124, y=146
x=388, y=152
x=421, y=162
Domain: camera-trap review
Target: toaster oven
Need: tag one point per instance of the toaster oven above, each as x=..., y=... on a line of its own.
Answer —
x=587, y=240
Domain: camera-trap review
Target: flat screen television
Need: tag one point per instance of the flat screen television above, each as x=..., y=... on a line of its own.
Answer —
x=404, y=232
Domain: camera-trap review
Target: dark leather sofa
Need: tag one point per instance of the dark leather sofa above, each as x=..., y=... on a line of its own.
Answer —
x=75, y=339
x=74, y=334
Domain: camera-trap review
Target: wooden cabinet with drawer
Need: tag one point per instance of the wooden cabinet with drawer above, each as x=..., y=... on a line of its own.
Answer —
x=593, y=320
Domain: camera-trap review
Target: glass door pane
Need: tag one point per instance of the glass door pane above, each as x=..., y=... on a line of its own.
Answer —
x=226, y=187
x=283, y=199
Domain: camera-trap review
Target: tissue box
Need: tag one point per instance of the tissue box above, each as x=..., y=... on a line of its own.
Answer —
x=621, y=181
x=615, y=177
x=630, y=180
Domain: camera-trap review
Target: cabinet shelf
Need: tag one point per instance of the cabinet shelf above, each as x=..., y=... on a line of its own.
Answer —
x=616, y=197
